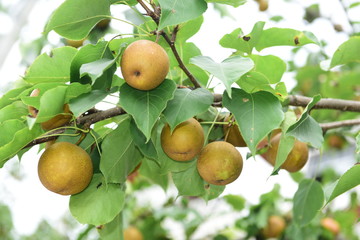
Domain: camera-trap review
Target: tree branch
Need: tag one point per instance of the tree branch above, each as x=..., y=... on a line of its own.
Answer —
x=338, y=124
x=171, y=42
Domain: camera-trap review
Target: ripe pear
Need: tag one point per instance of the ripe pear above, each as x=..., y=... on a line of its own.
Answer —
x=185, y=142
x=55, y=122
x=219, y=163
x=263, y=5
x=274, y=228
x=296, y=159
x=331, y=225
x=144, y=65
x=132, y=233
x=232, y=133
x=65, y=168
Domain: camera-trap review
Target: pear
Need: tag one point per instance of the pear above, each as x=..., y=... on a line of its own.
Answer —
x=185, y=142
x=219, y=163
x=232, y=133
x=65, y=168
x=132, y=233
x=296, y=159
x=274, y=228
x=331, y=225
x=55, y=122
x=144, y=65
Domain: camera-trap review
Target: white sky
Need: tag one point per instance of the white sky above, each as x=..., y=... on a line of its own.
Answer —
x=30, y=202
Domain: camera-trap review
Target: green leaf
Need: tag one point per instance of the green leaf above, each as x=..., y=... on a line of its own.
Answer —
x=15, y=110
x=178, y=110
x=146, y=148
x=188, y=29
x=88, y=54
x=243, y=43
x=74, y=19
x=112, y=230
x=152, y=171
x=15, y=135
x=96, y=69
x=358, y=143
x=270, y=67
x=86, y=101
x=119, y=154
x=347, y=181
x=189, y=182
x=51, y=103
x=74, y=90
x=234, y=3
x=347, y=52
x=284, y=37
x=306, y=129
x=257, y=114
x=308, y=200
x=146, y=106
x=11, y=96
x=51, y=68
x=285, y=146
x=237, y=202
x=99, y=203
x=175, y=12
x=228, y=71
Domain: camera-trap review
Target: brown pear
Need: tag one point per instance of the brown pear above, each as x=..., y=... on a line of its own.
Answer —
x=331, y=225
x=274, y=228
x=185, y=142
x=132, y=233
x=65, y=168
x=232, y=133
x=296, y=159
x=74, y=43
x=144, y=65
x=55, y=122
x=219, y=163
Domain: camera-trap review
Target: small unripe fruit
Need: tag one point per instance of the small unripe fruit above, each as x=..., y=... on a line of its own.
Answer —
x=65, y=168
x=185, y=142
x=144, y=65
x=219, y=163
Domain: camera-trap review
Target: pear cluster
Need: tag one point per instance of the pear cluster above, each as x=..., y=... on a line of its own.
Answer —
x=218, y=163
x=144, y=65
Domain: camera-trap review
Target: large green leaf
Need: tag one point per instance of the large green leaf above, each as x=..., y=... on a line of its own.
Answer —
x=178, y=110
x=15, y=135
x=15, y=110
x=175, y=12
x=243, y=43
x=234, y=3
x=270, y=67
x=306, y=129
x=51, y=103
x=11, y=96
x=86, y=101
x=53, y=68
x=308, y=200
x=188, y=29
x=146, y=148
x=284, y=37
x=228, y=71
x=112, y=230
x=257, y=114
x=146, y=106
x=95, y=69
x=347, y=181
x=119, y=156
x=99, y=203
x=74, y=19
x=153, y=172
x=347, y=52
x=88, y=54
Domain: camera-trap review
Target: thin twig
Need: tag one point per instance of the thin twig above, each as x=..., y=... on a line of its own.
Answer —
x=338, y=124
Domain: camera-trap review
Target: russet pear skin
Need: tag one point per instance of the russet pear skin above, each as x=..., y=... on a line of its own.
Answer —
x=144, y=65
x=232, y=134
x=65, y=168
x=219, y=163
x=296, y=159
x=185, y=142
